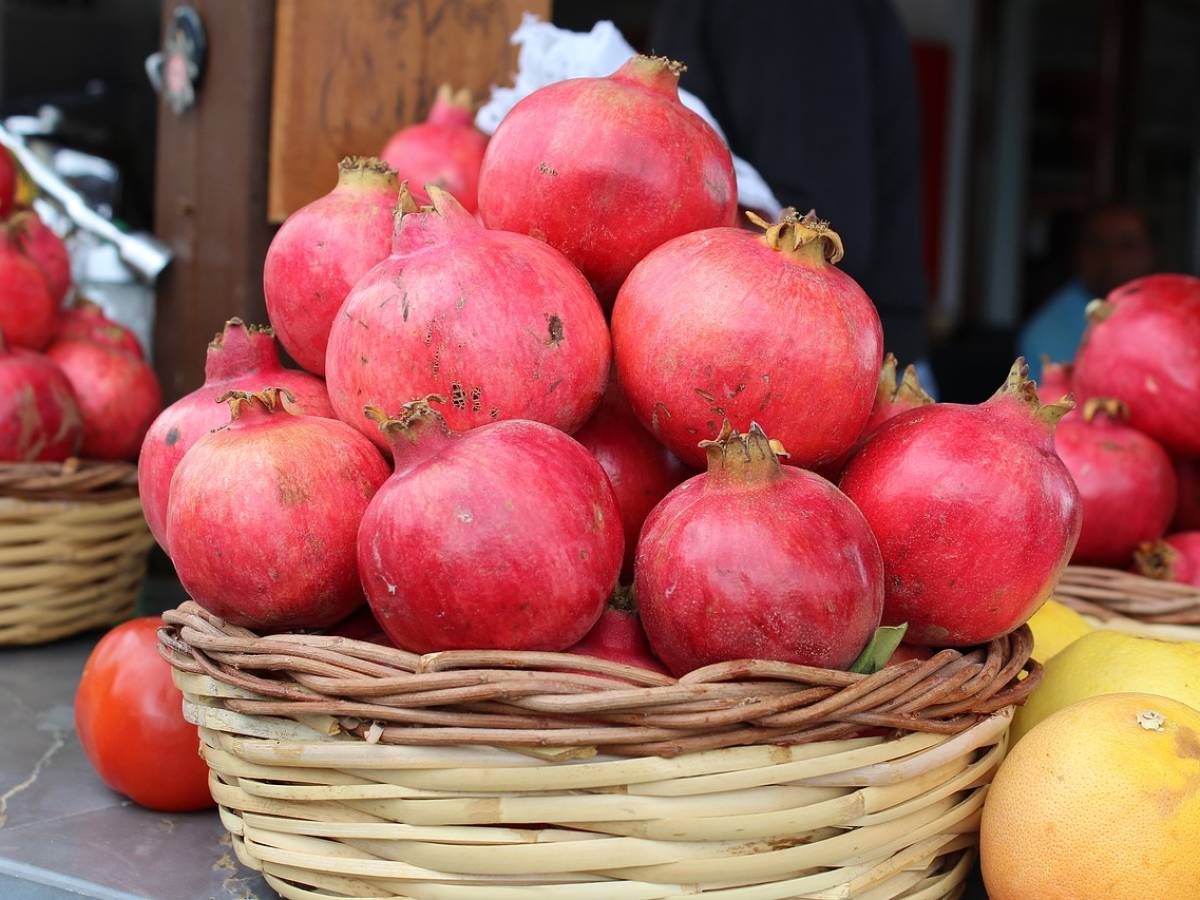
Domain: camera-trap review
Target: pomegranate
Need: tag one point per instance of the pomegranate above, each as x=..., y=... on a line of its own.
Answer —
x=501, y=322
x=445, y=150
x=8, y=182
x=1187, y=509
x=27, y=309
x=39, y=415
x=1056, y=380
x=264, y=513
x=46, y=249
x=1125, y=480
x=606, y=169
x=504, y=537
x=118, y=393
x=322, y=250
x=239, y=358
x=975, y=514
x=1143, y=347
x=727, y=323
x=1174, y=558
x=752, y=559
x=640, y=469
x=618, y=637
x=86, y=321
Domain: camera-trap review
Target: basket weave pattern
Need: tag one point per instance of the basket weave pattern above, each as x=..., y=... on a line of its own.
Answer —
x=1107, y=594
x=364, y=771
x=73, y=545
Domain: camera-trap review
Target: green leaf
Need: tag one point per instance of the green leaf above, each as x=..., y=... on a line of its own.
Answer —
x=879, y=649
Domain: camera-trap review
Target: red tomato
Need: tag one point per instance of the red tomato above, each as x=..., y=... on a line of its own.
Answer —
x=129, y=716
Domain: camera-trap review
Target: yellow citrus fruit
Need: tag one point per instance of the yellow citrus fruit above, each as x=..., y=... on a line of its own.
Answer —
x=1105, y=662
x=1054, y=627
x=1100, y=802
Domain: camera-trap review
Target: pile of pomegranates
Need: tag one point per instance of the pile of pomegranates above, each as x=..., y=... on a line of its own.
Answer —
x=732, y=469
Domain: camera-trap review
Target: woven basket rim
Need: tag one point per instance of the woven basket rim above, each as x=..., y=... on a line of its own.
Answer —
x=1109, y=594
x=567, y=702
x=72, y=480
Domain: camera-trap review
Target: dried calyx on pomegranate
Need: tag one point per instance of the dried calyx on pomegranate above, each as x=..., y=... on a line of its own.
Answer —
x=240, y=357
x=725, y=323
x=1174, y=558
x=975, y=514
x=445, y=150
x=322, y=250
x=1126, y=482
x=607, y=169
x=504, y=537
x=754, y=560
x=39, y=414
x=500, y=323
x=263, y=515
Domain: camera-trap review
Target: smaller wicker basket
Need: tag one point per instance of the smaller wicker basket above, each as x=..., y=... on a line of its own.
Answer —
x=1124, y=601
x=73, y=546
x=345, y=769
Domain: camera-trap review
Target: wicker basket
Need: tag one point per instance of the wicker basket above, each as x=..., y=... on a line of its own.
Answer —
x=347, y=769
x=73, y=545
x=1124, y=601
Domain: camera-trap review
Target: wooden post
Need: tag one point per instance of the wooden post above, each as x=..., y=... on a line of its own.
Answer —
x=211, y=190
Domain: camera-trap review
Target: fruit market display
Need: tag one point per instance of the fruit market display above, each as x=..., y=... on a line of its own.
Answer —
x=75, y=382
x=724, y=491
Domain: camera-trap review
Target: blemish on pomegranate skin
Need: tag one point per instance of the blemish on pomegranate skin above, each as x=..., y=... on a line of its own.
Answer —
x=555, y=327
x=493, y=412
x=654, y=414
x=172, y=437
x=705, y=395
x=547, y=170
x=476, y=399
x=404, y=307
x=458, y=397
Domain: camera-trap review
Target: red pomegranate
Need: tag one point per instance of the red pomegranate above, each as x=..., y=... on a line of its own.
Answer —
x=1056, y=380
x=500, y=322
x=606, y=169
x=1174, y=558
x=239, y=358
x=730, y=324
x=975, y=514
x=28, y=310
x=504, y=537
x=618, y=637
x=118, y=393
x=1187, y=509
x=86, y=321
x=264, y=514
x=642, y=471
x=39, y=415
x=754, y=560
x=46, y=249
x=8, y=182
x=1142, y=348
x=322, y=250
x=445, y=150
x=1125, y=480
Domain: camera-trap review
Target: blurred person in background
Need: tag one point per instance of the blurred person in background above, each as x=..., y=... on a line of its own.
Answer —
x=821, y=99
x=1115, y=246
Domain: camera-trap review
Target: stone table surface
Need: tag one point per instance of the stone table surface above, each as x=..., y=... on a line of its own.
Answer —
x=64, y=834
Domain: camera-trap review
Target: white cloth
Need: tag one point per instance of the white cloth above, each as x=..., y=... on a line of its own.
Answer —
x=549, y=54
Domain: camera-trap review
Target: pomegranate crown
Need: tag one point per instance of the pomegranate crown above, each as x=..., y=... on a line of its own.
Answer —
x=908, y=390
x=1106, y=406
x=1156, y=559
x=448, y=96
x=416, y=418
x=748, y=457
x=366, y=172
x=268, y=400
x=806, y=236
x=236, y=324
x=1019, y=386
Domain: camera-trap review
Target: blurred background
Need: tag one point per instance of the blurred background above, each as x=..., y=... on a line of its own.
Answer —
x=1018, y=156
